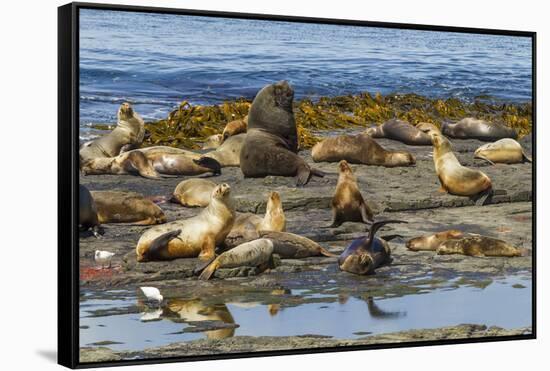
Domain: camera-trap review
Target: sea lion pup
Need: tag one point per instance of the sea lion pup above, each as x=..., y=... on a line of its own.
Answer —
x=193, y=192
x=132, y=162
x=87, y=211
x=359, y=149
x=479, y=246
x=213, y=141
x=257, y=253
x=271, y=141
x=455, y=178
x=432, y=242
x=471, y=128
x=235, y=127
x=401, y=131
x=366, y=254
x=247, y=226
x=127, y=207
x=128, y=134
x=504, y=151
x=228, y=154
x=197, y=236
x=348, y=204
x=292, y=246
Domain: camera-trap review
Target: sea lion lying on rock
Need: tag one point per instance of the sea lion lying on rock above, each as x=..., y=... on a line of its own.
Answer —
x=472, y=128
x=194, y=192
x=504, y=151
x=87, y=211
x=235, y=127
x=401, y=131
x=293, y=246
x=432, y=242
x=127, y=207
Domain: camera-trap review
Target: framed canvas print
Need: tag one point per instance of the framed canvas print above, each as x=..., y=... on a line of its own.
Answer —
x=239, y=185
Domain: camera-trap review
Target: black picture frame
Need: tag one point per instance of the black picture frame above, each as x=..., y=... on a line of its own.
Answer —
x=68, y=143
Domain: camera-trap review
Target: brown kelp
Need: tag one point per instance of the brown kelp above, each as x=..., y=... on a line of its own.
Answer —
x=189, y=125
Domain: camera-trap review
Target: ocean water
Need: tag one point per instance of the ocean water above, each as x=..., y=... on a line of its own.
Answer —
x=156, y=61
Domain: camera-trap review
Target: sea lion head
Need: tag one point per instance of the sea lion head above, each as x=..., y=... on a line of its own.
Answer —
x=125, y=111
x=274, y=200
x=439, y=141
x=401, y=158
x=358, y=263
x=283, y=94
x=344, y=167
x=222, y=191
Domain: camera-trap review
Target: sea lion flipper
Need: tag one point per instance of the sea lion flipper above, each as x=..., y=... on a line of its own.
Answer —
x=484, y=197
x=303, y=176
x=202, y=266
x=209, y=163
x=390, y=237
x=366, y=213
x=160, y=243
x=209, y=271
x=525, y=157
x=376, y=226
x=326, y=253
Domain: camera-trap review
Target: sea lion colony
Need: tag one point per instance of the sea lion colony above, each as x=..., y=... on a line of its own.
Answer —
x=266, y=143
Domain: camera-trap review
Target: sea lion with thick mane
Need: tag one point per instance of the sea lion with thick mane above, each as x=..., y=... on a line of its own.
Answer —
x=455, y=178
x=271, y=141
x=235, y=127
x=347, y=203
x=127, y=207
x=504, y=151
x=432, y=242
x=472, y=128
x=401, y=131
x=197, y=236
x=194, y=192
x=359, y=149
x=366, y=254
x=128, y=134
x=87, y=211
x=480, y=246
x=257, y=253
x=292, y=246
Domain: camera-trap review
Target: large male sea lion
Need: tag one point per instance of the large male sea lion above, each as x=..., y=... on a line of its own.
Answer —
x=87, y=211
x=257, y=253
x=359, y=149
x=196, y=236
x=235, y=127
x=271, y=141
x=366, y=254
x=471, y=128
x=126, y=135
x=194, y=192
x=479, y=246
x=455, y=178
x=127, y=207
x=505, y=151
x=293, y=246
x=401, y=131
x=432, y=242
x=348, y=204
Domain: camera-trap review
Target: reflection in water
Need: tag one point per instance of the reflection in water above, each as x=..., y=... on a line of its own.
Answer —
x=376, y=312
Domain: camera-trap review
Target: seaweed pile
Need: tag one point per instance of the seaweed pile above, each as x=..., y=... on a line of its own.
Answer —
x=188, y=125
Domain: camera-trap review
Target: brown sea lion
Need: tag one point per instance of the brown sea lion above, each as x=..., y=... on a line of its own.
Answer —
x=348, y=204
x=471, y=128
x=127, y=207
x=366, y=254
x=229, y=153
x=271, y=142
x=479, y=246
x=432, y=242
x=235, y=127
x=401, y=131
x=257, y=253
x=292, y=246
x=194, y=192
x=197, y=236
x=426, y=127
x=455, y=178
x=504, y=151
x=128, y=134
x=359, y=149
x=87, y=211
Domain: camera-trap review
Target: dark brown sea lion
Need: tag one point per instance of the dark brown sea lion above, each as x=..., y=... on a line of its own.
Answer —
x=366, y=254
x=432, y=242
x=197, y=236
x=401, y=131
x=127, y=207
x=292, y=246
x=271, y=140
x=471, y=128
x=504, y=151
x=479, y=246
x=359, y=149
x=348, y=204
x=87, y=211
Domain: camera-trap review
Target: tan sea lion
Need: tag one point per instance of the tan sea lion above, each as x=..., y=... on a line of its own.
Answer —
x=348, y=204
x=366, y=254
x=257, y=253
x=132, y=162
x=455, y=178
x=292, y=246
x=432, y=242
x=213, y=141
x=235, y=127
x=87, y=211
x=229, y=153
x=128, y=134
x=479, y=246
x=182, y=164
x=359, y=149
x=401, y=131
x=127, y=207
x=271, y=141
x=194, y=192
x=504, y=151
x=197, y=236
x=471, y=128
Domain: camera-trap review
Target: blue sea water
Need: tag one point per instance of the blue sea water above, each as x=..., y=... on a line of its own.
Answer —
x=156, y=61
